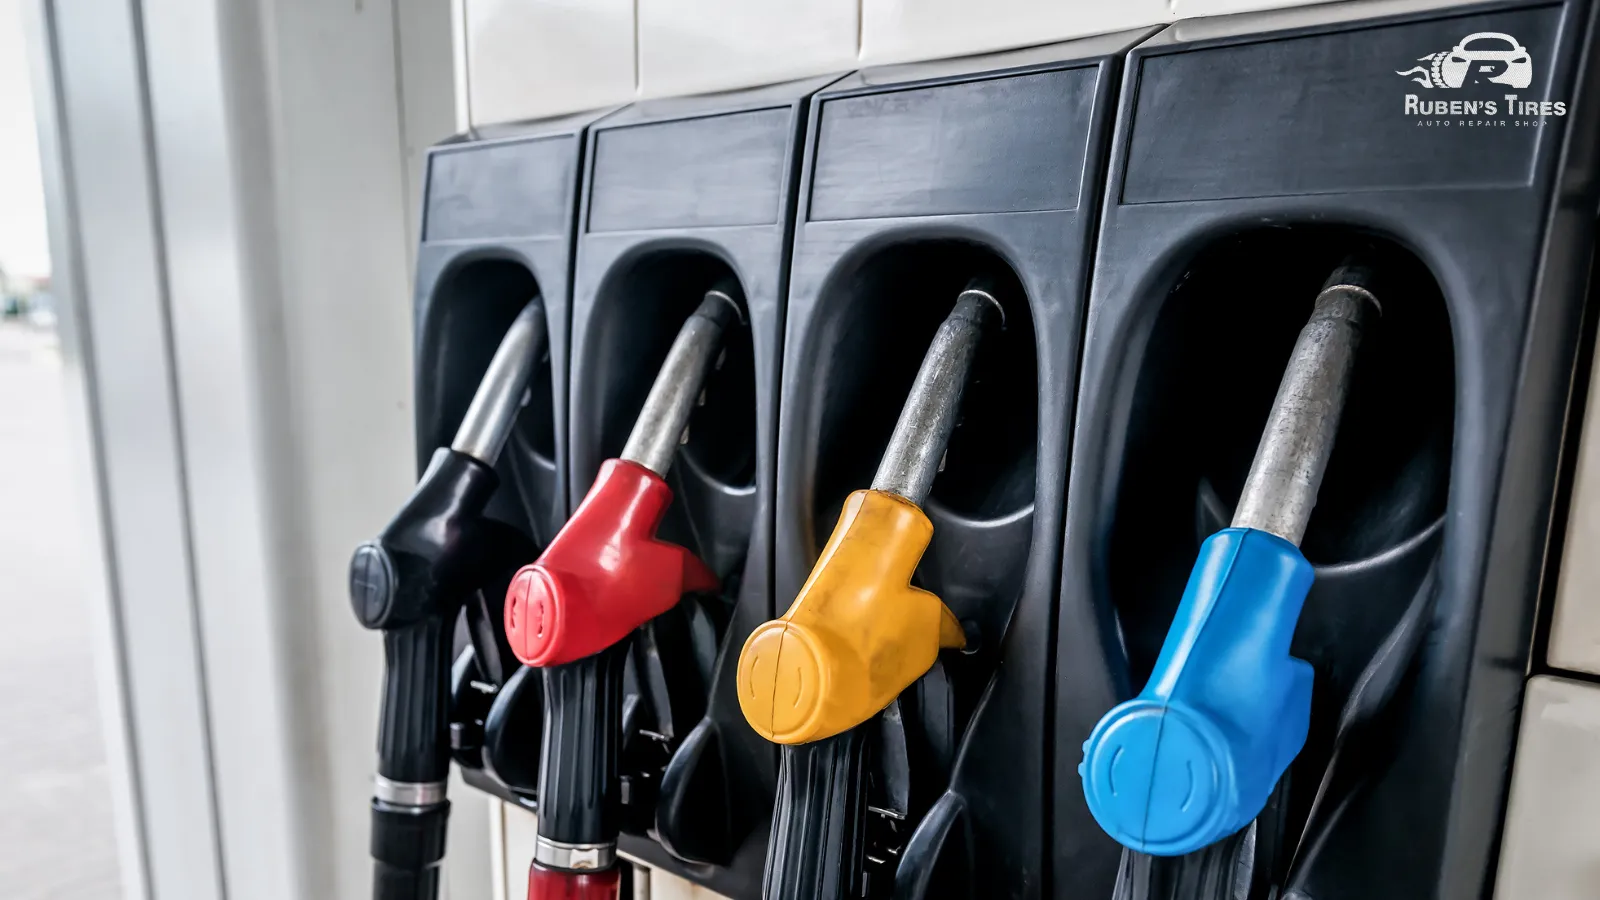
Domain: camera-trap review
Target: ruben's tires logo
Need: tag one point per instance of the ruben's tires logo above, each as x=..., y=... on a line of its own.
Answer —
x=1479, y=63
x=1487, y=57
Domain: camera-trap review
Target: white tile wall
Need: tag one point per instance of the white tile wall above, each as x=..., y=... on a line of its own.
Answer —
x=698, y=46
x=1550, y=850
x=1575, y=629
x=1188, y=9
x=906, y=30
x=667, y=886
x=532, y=58
x=518, y=828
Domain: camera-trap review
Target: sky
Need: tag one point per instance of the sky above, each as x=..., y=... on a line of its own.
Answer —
x=24, y=245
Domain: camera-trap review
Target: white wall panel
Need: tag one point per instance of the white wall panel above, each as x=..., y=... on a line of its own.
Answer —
x=231, y=203
x=906, y=30
x=1550, y=851
x=107, y=251
x=519, y=830
x=528, y=59
x=1185, y=9
x=1575, y=628
x=696, y=46
x=667, y=886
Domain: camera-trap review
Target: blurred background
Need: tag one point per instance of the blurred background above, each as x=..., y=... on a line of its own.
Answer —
x=58, y=841
x=204, y=404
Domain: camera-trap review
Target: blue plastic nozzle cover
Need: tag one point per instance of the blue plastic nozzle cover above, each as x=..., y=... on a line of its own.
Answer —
x=1196, y=755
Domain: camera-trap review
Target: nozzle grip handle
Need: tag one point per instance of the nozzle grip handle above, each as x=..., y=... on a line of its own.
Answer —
x=414, y=728
x=818, y=820
x=579, y=796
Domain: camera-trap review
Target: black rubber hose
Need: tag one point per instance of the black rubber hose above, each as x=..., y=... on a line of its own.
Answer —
x=818, y=820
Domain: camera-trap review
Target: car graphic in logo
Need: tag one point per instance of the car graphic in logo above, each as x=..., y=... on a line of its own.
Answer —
x=1482, y=58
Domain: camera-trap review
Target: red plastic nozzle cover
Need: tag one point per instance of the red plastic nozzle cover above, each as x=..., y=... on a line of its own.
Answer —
x=604, y=574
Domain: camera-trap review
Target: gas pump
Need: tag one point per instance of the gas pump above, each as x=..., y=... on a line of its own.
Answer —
x=1133, y=664
x=570, y=612
x=411, y=583
x=859, y=633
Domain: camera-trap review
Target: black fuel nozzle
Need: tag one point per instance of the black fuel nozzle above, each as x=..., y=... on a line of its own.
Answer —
x=411, y=583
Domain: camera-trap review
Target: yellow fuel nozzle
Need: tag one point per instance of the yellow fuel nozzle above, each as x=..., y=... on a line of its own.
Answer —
x=856, y=636
x=858, y=633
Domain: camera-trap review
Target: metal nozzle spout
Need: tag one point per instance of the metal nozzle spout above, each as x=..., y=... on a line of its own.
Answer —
x=917, y=446
x=1281, y=489
x=672, y=397
x=487, y=424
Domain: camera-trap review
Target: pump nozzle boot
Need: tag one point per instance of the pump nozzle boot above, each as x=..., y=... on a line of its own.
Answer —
x=858, y=633
x=604, y=575
x=1195, y=756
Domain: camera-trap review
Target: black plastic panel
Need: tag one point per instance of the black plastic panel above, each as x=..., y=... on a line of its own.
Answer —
x=1319, y=131
x=513, y=189
x=714, y=170
x=1246, y=161
x=988, y=146
x=865, y=299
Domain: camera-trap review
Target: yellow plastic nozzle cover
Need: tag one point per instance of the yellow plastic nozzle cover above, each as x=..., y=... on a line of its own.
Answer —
x=856, y=636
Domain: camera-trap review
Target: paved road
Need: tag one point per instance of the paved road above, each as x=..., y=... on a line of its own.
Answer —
x=56, y=839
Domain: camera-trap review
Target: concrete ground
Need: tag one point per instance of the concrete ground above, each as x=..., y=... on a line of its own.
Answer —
x=56, y=838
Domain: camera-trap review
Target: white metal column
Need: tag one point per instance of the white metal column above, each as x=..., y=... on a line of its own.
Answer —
x=232, y=195
x=116, y=347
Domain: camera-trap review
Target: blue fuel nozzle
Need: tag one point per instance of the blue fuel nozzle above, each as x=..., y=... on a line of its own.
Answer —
x=1195, y=756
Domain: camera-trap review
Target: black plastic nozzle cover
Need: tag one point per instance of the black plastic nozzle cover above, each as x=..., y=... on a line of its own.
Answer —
x=411, y=583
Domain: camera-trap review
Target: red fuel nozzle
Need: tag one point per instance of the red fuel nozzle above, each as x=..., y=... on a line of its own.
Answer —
x=604, y=575
x=554, y=884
